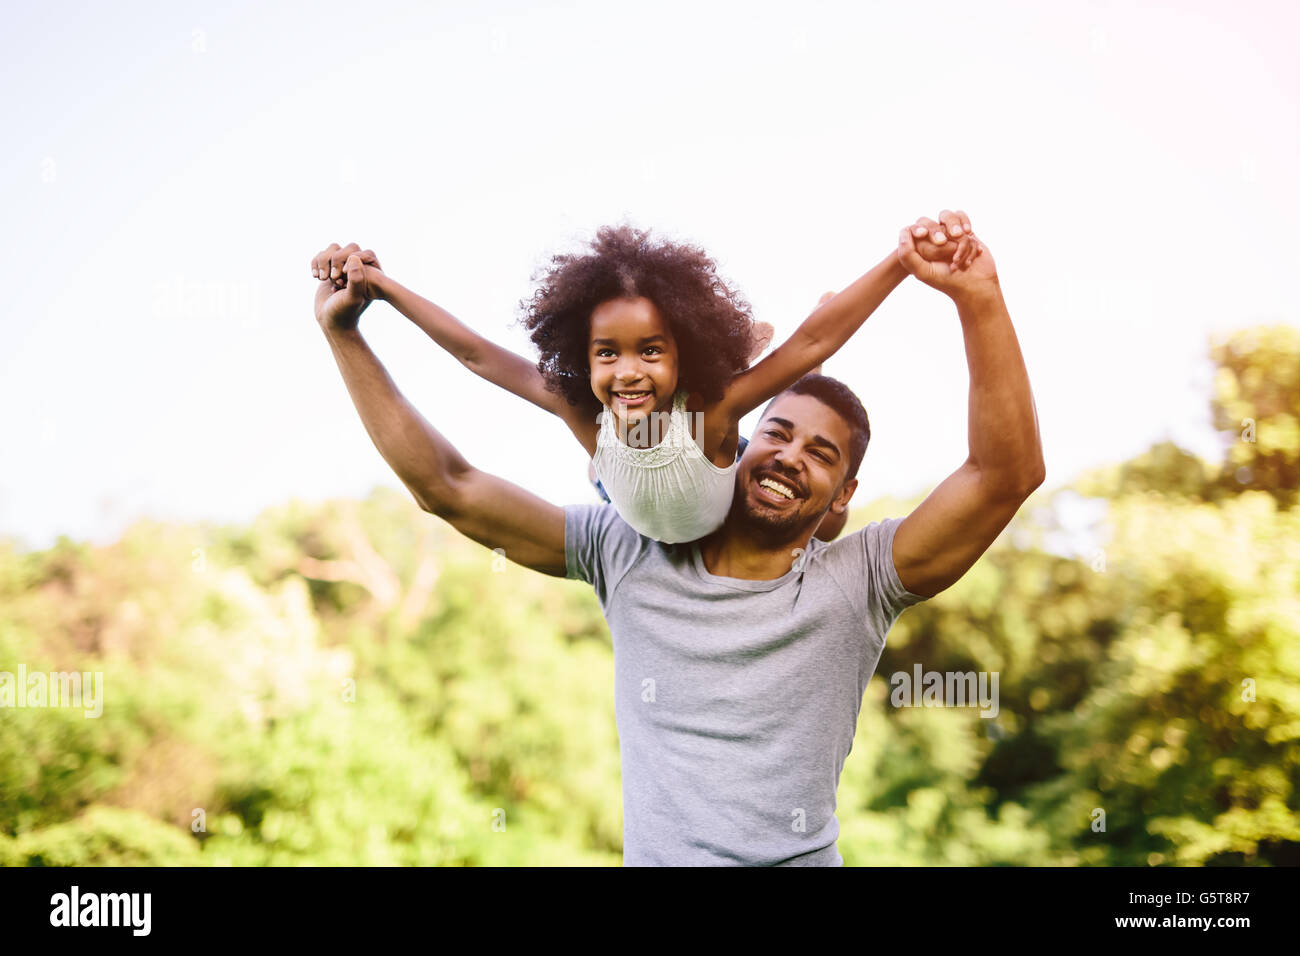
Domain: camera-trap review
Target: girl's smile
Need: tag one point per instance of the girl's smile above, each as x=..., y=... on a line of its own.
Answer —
x=633, y=399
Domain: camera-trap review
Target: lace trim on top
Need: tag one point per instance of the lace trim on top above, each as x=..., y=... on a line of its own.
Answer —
x=675, y=442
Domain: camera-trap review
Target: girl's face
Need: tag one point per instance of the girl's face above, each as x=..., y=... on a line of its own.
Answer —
x=633, y=358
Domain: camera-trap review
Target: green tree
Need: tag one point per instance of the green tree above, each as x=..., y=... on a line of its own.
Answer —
x=1257, y=403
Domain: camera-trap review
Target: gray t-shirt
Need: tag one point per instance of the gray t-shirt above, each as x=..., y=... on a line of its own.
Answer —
x=736, y=700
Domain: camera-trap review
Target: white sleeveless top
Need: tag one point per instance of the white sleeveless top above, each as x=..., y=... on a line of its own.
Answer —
x=670, y=492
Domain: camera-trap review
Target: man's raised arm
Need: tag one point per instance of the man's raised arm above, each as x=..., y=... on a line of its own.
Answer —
x=938, y=542
x=488, y=509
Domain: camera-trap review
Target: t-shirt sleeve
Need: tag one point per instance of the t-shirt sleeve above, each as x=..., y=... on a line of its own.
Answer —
x=599, y=547
x=863, y=564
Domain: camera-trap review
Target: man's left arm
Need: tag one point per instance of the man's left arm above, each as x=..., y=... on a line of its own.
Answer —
x=938, y=542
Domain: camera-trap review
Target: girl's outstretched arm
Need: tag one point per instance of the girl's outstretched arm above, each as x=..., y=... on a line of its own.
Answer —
x=821, y=335
x=483, y=357
x=817, y=339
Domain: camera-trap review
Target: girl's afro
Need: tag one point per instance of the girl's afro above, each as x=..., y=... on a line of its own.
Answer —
x=711, y=323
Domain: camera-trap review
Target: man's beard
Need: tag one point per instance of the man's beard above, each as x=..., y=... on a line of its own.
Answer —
x=777, y=527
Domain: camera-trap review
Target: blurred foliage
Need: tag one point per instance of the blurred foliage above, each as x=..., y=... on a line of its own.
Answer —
x=1257, y=388
x=354, y=683
x=1255, y=406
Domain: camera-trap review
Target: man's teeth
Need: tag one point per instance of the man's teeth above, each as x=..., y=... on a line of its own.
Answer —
x=776, y=486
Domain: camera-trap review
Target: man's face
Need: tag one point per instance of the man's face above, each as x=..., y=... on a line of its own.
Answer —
x=793, y=470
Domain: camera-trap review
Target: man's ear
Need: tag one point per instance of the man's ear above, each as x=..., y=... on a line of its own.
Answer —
x=841, y=501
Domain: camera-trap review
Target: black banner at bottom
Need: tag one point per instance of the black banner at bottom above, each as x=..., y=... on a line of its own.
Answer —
x=970, y=906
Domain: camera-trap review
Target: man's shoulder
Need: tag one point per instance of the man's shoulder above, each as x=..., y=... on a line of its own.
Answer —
x=597, y=533
x=602, y=519
x=858, y=541
x=863, y=562
x=603, y=550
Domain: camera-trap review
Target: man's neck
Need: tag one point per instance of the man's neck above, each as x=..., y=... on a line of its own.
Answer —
x=736, y=552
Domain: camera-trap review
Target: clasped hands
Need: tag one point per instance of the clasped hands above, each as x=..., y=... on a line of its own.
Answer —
x=947, y=255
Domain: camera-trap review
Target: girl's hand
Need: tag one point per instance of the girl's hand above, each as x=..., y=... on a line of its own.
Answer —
x=971, y=270
x=950, y=240
x=328, y=264
x=349, y=281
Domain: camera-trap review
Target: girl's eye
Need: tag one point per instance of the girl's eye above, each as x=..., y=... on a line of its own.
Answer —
x=654, y=349
x=601, y=353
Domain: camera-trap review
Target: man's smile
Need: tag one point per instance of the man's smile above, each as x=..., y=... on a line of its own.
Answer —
x=777, y=489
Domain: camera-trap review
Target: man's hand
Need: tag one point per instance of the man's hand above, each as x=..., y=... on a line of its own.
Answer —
x=924, y=246
x=349, y=281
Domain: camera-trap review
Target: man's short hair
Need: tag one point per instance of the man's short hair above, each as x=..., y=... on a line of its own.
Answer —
x=835, y=394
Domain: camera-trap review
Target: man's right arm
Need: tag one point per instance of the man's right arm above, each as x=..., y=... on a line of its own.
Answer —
x=488, y=509
x=948, y=532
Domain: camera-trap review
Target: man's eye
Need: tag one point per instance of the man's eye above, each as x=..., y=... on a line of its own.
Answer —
x=773, y=433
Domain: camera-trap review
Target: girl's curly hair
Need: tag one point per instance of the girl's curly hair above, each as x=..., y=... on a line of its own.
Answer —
x=711, y=323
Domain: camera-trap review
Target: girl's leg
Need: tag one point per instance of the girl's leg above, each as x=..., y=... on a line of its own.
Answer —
x=600, y=489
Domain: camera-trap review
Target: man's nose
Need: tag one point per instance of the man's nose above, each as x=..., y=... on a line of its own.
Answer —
x=785, y=461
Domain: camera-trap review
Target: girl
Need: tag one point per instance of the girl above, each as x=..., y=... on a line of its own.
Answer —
x=645, y=355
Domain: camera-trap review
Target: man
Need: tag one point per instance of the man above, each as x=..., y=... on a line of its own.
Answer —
x=741, y=659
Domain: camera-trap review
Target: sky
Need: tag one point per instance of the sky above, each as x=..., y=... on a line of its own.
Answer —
x=169, y=170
